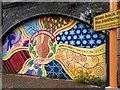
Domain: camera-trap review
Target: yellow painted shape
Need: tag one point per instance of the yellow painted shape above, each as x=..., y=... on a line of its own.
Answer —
x=94, y=51
x=23, y=31
x=51, y=25
x=44, y=73
x=65, y=22
x=66, y=27
x=93, y=65
x=40, y=21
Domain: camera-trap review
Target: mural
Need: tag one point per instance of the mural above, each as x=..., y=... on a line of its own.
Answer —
x=54, y=45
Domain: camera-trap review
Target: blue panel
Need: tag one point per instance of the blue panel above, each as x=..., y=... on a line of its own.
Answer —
x=31, y=27
x=54, y=68
x=81, y=35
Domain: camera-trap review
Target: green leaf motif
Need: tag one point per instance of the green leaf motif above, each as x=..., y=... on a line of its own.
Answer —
x=50, y=55
x=36, y=56
x=33, y=52
x=34, y=43
x=54, y=48
x=50, y=43
x=54, y=45
x=58, y=19
x=30, y=48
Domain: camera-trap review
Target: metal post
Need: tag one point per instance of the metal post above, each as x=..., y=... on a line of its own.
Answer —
x=113, y=52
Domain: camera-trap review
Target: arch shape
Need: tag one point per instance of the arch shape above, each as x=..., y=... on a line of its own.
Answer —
x=40, y=15
x=28, y=47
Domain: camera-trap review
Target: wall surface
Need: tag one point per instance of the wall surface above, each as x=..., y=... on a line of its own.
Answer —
x=13, y=13
x=54, y=45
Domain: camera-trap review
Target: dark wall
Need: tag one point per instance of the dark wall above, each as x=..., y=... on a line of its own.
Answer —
x=16, y=12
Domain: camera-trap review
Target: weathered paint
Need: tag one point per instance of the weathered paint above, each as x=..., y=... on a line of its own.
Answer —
x=54, y=45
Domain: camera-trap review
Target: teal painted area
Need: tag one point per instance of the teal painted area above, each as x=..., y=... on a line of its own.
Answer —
x=31, y=27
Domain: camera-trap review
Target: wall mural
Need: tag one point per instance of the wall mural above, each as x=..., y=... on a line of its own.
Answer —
x=56, y=45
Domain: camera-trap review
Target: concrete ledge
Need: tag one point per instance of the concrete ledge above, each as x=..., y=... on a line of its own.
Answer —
x=13, y=81
x=111, y=88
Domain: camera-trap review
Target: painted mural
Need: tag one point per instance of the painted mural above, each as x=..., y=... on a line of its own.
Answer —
x=54, y=45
